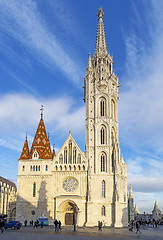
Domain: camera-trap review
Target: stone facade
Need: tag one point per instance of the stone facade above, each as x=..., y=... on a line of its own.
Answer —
x=90, y=186
x=7, y=198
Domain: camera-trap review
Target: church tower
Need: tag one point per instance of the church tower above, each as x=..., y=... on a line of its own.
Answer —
x=107, y=171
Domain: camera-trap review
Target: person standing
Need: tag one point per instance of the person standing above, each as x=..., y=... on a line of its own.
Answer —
x=2, y=224
x=59, y=225
x=138, y=227
x=56, y=225
x=25, y=223
x=42, y=224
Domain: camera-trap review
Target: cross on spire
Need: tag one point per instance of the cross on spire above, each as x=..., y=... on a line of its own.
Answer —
x=42, y=110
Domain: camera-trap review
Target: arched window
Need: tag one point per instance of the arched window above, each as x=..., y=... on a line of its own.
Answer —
x=46, y=168
x=103, y=135
x=74, y=155
x=83, y=168
x=33, y=168
x=112, y=109
x=34, y=189
x=102, y=108
x=103, y=213
x=103, y=162
x=79, y=168
x=103, y=189
x=60, y=168
x=38, y=168
x=65, y=155
x=60, y=158
x=79, y=159
x=23, y=168
x=70, y=152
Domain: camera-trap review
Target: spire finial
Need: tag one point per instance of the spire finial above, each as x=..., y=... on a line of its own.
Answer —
x=131, y=192
x=42, y=110
x=53, y=146
x=100, y=13
x=26, y=137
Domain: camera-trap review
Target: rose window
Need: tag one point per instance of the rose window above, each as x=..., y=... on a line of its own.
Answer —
x=70, y=184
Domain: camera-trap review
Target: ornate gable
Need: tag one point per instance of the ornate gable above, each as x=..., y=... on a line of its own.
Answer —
x=70, y=153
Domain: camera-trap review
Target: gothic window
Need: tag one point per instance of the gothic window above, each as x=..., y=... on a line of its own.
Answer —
x=34, y=190
x=103, y=135
x=103, y=211
x=83, y=168
x=102, y=108
x=79, y=168
x=23, y=168
x=79, y=159
x=65, y=155
x=74, y=155
x=60, y=158
x=103, y=162
x=112, y=109
x=70, y=152
x=60, y=168
x=38, y=168
x=103, y=189
x=33, y=168
x=46, y=168
x=35, y=155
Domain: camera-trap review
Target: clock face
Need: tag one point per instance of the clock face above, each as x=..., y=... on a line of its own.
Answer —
x=70, y=184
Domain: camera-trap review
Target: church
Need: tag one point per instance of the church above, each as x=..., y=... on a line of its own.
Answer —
x=89, y=186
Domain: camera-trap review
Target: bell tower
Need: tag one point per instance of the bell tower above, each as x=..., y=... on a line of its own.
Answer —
x=107, y=174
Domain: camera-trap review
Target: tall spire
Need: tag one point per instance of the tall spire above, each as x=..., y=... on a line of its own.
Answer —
x=136, y=209
x=131, y=192
x=100, y=37
x=25, y=150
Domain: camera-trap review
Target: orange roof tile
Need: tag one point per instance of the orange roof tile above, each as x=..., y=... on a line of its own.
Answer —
x=41, y=143
x=25, y=151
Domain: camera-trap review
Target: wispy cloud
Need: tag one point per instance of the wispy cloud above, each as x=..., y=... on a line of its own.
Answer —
x=61, y=114
x=22, y=21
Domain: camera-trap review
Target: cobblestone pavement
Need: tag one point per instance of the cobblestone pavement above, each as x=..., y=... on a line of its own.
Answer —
x=48, y=233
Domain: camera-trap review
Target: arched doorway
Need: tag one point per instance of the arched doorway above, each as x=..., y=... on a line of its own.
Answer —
x=68, y=211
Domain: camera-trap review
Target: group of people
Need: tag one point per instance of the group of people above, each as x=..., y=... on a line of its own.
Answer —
x=137, y=224
x=99, y=225
x=2, y=224
x=34, y=223
x=57, y=225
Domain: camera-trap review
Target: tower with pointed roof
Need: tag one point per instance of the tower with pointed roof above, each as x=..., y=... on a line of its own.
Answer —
x=90, y=186
x=108, y=171
x=131, y=210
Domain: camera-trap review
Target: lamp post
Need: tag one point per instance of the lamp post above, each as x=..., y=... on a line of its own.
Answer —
x=74, y=213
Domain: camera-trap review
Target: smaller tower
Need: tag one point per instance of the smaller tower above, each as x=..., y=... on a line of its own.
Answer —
x=130, y=205
x=156, y=213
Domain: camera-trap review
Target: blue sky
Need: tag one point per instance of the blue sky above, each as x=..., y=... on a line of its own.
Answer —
x=44, y=47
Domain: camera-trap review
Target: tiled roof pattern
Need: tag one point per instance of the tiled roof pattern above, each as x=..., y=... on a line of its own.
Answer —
x=41, y=143
x=25, y=151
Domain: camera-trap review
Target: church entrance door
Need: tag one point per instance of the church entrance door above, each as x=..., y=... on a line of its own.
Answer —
x=69, y=219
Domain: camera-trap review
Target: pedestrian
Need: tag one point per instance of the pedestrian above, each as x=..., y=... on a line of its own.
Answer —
x=2, y=224
x=99, y=226
x=25, y=223
x=42, y=224
x=56, y=225
x=138, y=227
x=32, y=222
x=59, y=225
x=35, y=224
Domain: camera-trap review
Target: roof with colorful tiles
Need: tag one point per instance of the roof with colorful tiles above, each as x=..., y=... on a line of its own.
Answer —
x=25, y=151
x=41, y=143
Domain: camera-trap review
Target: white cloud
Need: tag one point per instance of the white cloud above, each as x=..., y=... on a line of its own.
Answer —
x=22, y=21
x=20, y=114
